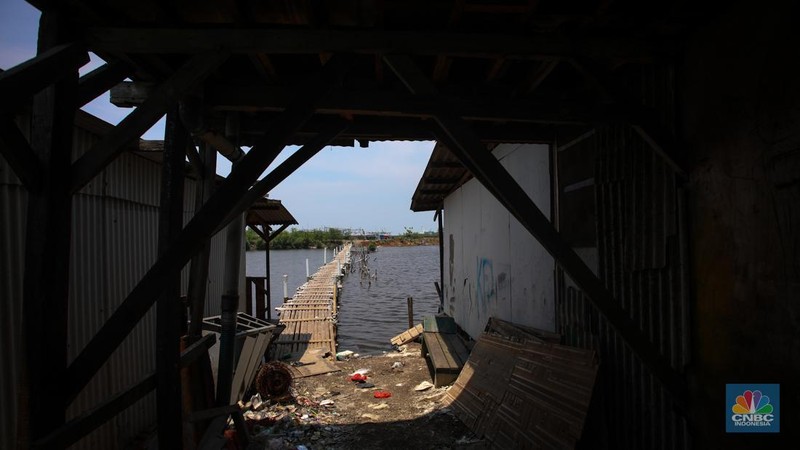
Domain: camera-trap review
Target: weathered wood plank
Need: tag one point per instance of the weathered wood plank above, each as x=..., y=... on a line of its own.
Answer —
x=168, y=400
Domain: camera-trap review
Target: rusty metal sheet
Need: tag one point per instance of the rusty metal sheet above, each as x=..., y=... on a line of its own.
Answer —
x=529, y=395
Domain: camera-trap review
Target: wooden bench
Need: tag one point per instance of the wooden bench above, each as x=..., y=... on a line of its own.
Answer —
x=445, y=354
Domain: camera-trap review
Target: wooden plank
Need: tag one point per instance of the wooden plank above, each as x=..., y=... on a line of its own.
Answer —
x=493, y=176
x=42, y=398
x=196, y=232
x=310, y=41
x=168, y=400
x=22, y=81
x=407, y=336
x=142, y=118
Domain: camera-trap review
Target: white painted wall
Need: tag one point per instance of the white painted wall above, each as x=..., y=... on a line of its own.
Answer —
x=492, y=266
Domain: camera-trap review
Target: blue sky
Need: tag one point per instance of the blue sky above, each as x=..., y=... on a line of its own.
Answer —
x=345, y=187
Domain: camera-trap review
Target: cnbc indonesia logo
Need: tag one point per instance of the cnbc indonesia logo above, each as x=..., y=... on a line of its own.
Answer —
x=752, y=410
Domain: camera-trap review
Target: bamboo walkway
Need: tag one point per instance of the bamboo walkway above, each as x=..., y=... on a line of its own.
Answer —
x=310, y=316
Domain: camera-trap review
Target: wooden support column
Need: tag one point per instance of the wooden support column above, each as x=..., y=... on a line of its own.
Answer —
x=168, y=314
x=457, y=135
x=267, y=291
x=198, y=274
x=441, y=259
x=197, y=231
x=43, y=394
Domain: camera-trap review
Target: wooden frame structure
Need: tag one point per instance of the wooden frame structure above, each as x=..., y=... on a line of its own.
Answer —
x=465, y=73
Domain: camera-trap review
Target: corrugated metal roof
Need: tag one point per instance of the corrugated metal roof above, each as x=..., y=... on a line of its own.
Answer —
x=267, y=211
x=442, y=175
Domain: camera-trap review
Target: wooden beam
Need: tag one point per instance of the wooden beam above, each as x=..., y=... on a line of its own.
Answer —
x=196, y=232
x=487, y=169
x=18, y=154
x=168, y=400
x=100, y=80
x=142, y=118
x=20, y=82
x=198, y=274
x=77, y=428
x=305, y=41
x=286, y=168
x=399, y=104
x=280, y=230
x=41, y=395
x=259, y=233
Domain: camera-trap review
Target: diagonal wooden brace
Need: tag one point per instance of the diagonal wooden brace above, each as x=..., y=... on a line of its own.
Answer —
x=457, y=135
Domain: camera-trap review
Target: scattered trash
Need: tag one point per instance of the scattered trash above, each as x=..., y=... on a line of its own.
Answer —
x=399, y=384
x=397, y=365
x=304, y=417
x=365, y=385
x=370, y=416
x=326, y=402
x=358, y=377
x=356, y=355
x=302, y=447
x=256, y=402
x=382, y=394
x=360, y=372
x=379, y=406
x=343, y=355
x=424, y=386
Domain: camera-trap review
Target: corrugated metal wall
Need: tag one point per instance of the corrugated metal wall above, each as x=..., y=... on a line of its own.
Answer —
x=114, y=242
x=642, y=260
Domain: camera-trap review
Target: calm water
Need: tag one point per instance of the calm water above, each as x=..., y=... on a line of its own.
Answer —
x=372, y=310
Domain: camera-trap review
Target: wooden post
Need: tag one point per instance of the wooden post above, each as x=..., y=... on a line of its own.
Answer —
x=410, y=302
x=308, y=274
x=198, y=273
x=268, y=289
x=441, y=261
x=285, y=287
x=168, y=388
x=42, y=397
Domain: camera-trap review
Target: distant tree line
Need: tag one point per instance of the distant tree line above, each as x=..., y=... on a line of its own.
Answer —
x=299, y=239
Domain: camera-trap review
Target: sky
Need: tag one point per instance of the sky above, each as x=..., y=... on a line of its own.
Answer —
x=342, y=187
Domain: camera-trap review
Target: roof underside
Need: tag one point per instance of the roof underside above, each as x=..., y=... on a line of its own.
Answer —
x=513, y=69
x=516, y=71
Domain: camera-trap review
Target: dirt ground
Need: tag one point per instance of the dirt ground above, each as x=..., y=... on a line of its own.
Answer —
x=331, y=412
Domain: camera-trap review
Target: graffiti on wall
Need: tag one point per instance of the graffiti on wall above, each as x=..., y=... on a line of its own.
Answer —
x=487, y=286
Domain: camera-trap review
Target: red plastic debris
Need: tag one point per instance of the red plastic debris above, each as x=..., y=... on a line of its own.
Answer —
x=382, y=394
x=358, y=377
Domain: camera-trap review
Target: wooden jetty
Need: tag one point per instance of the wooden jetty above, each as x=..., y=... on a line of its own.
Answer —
x=310, y=316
